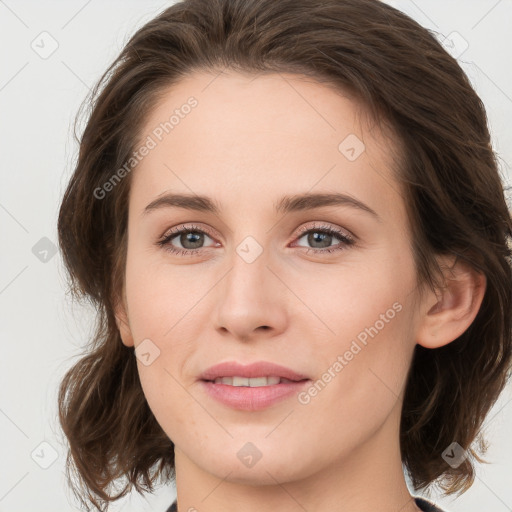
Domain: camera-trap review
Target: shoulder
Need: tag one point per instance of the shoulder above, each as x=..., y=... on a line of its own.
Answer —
x=424, y=504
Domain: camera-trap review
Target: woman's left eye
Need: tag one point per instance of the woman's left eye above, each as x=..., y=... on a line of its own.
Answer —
x=323, y=235
x=192, y=238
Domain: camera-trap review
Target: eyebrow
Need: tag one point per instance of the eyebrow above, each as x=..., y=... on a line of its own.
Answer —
x=294, y=203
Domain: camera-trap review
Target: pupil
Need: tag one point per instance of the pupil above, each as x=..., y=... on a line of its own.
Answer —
x=193, y=237
x=322, y=237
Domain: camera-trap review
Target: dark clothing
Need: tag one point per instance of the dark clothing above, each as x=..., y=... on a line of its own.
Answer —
x=424, y=504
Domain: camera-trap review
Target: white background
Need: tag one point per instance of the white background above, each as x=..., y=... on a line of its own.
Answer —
x=41, y=332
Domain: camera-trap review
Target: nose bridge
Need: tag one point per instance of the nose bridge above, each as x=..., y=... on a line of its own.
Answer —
x=248, y=276
x=249, y=297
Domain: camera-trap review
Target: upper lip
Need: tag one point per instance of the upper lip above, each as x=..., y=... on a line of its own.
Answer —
x=258, y=369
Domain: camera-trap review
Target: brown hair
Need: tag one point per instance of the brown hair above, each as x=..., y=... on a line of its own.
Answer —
x=453, y=194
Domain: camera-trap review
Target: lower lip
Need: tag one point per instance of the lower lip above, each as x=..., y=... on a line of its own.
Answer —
x=245, y=398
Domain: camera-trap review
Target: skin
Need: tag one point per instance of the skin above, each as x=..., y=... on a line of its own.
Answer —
x=251, y=140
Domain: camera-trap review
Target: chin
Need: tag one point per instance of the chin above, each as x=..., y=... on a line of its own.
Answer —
x=235, y=465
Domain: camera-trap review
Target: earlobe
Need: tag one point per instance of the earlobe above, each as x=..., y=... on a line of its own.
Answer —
x=448, y=314
x=123, y=325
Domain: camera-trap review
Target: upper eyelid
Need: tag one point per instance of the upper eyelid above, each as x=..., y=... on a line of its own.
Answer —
x=320, y=226
x=184, y=228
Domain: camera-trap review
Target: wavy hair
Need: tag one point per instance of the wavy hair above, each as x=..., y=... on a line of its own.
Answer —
x=453, y=193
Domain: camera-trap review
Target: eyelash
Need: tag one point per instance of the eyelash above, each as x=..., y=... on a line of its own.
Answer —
x=344, y=238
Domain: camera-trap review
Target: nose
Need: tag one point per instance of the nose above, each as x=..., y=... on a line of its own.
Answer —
x=251, y=300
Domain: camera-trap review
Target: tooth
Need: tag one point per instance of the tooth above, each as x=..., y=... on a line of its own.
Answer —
x=240, y=381
x=252, y=382
x=256, y=382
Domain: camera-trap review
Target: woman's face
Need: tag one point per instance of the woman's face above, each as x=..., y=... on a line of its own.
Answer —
x=325, y=287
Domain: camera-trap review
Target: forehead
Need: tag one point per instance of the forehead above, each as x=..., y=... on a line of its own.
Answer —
x=244, y=104
x=231, y=135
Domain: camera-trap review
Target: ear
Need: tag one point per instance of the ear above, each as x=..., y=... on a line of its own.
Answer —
x=122, y=322
x=447, y=313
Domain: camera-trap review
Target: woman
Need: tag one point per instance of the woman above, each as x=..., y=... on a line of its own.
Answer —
x=290, y=219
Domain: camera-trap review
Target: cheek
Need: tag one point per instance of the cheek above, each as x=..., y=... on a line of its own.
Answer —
x=160, y=297
x=364, y=362
x=354, y=300
x=361, y=376
x=161, y=303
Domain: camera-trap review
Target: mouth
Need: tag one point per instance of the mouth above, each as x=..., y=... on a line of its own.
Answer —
x=253, y=387
x=255, y=374
x=252, y=382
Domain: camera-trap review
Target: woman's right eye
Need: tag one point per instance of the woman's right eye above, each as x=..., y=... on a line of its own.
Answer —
x=191, y=239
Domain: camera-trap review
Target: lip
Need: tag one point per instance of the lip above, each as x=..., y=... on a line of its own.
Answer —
x=258, y=369
x=252, y=398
